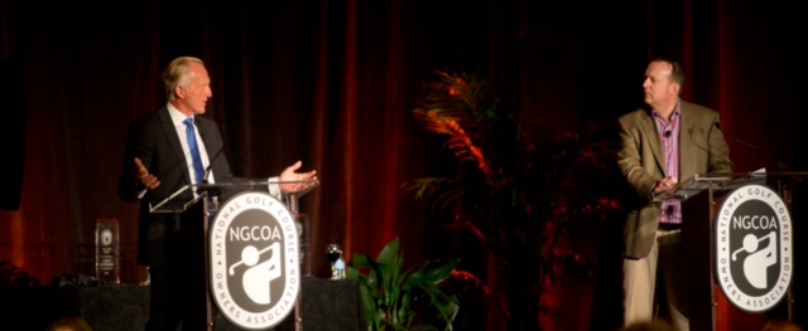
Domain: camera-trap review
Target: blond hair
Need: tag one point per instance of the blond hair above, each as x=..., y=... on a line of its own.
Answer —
x=177, y=72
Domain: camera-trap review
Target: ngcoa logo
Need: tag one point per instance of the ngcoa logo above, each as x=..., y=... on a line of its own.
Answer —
x=753, y=248
x=255, y=276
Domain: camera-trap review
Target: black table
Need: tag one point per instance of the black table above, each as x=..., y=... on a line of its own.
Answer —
x=326, y=305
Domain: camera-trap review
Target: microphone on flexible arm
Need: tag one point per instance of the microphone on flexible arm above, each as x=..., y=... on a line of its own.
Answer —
x=215, y=156
x=208, y=170
x=210, y=165
x=769, y=154
x=780, y=165
x=213, y=191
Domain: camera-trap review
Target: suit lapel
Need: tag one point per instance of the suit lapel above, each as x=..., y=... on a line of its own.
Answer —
x=687, y=147
x=170, y=134
x=648, y=126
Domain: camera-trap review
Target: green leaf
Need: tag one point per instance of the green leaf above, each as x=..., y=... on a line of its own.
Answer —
x=388, y=292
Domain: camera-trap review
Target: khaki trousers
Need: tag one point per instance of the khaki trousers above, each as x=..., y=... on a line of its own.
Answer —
x=640, y=280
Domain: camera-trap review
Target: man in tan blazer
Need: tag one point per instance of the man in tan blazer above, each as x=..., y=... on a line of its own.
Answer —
x=672, y=141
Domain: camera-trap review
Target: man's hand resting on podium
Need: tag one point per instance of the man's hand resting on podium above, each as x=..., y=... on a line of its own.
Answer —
x=290, y=174
x=666, y=184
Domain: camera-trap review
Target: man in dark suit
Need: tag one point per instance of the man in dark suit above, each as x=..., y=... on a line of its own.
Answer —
x=673, y=140
x=166, y=150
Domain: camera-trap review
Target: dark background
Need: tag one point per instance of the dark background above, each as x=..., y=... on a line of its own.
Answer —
x=334, y=83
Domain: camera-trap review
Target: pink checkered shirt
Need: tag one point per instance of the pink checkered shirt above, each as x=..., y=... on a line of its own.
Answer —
x=671, y=211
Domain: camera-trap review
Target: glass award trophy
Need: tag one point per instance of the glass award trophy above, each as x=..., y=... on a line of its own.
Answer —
x=107, y=251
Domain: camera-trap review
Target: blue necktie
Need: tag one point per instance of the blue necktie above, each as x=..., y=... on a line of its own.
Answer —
x=192, y=145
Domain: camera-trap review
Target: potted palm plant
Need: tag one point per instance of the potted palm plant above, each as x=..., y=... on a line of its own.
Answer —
x=537, y=206
x=399, y=299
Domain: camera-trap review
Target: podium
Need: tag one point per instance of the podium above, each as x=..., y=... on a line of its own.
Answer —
x=244, y=237
x=738, y=237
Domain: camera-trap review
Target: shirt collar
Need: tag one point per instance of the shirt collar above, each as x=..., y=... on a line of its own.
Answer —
x=176, y=116
x=677, y=111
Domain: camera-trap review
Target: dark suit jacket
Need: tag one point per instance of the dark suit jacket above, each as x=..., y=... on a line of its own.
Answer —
x=702, y=149
x=154, y=140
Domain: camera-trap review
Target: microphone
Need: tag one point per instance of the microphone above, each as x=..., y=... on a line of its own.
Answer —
x=211, y=191
x=223, y=138
x=667, y=134
x=210, y=164
x=772, y=157
x=769, y=154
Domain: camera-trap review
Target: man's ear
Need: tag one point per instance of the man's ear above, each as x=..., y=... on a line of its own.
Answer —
x=179, y=92
x=676, y=88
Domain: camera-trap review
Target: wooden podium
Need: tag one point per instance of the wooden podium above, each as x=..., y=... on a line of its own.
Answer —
x=243, y=237
x=730, y=223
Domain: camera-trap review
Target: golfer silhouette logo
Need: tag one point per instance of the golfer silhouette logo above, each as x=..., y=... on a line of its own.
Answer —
x=753, y=248
x=254, y=261
x=757, y=258
x=257, y=278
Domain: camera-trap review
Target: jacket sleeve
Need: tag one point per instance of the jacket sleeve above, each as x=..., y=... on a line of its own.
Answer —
x=628, y=158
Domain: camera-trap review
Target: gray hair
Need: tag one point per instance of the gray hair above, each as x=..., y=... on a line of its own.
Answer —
x=176, y=74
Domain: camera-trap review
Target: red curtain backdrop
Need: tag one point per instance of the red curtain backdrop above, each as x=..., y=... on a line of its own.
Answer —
x=334, y=83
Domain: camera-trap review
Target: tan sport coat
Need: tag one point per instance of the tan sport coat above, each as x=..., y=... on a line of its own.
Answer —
x=702, y=150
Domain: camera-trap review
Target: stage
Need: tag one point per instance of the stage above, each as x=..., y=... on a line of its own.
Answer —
x=326, y=305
